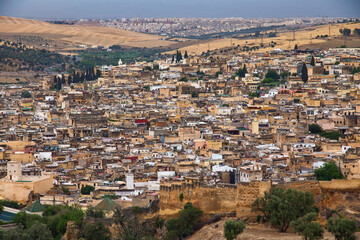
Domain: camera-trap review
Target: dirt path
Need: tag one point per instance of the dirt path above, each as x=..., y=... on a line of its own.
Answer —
x=252, y=232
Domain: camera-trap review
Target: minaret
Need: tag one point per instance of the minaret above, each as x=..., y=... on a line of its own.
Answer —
x=129, y=180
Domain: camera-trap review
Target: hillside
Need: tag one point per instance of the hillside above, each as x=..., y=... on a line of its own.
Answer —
x=70, y=36
x=284, y=40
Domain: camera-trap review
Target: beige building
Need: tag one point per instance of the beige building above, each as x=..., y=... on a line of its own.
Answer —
x=18, y=187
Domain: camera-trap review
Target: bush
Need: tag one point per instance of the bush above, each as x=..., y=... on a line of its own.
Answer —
x=342, y=228
x=328, y=172
x=86, y=190
x=232, y=229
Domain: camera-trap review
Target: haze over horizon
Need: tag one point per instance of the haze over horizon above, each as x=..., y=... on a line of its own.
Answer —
x=75, y=9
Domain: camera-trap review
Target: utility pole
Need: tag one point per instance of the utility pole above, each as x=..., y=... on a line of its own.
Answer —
x=310, y=38
x=293, y=35
x=329, y=31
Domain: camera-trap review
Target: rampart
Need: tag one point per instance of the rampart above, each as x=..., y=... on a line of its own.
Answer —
x=340, y=195
x=218, y=199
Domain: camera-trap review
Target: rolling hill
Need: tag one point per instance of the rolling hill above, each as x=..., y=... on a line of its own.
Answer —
x=304, y=38
x=71, y=36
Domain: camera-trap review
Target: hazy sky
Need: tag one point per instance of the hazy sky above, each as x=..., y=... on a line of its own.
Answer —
x=42, y=9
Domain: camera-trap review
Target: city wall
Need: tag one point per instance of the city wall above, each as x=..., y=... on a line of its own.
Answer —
x=219, y=199
x=340, y=195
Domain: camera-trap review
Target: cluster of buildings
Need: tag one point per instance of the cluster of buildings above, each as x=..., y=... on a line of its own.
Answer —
x=144, y=124
x=196, y=27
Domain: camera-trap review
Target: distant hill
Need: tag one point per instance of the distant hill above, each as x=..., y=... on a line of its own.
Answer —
x=71, y=36
x=304, y=38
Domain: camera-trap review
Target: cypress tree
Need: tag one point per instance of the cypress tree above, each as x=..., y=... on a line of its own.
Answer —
x=312, y=63
x=304, y=73
x=186, y=55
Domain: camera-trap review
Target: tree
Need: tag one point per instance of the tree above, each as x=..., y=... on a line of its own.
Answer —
x=86, y=190
x=296, y=47
x=307, y=227
x=312, y=63
x=183, y=226
x=342, y=228
x=328, y=172
x=93, y=213
x=356, y=31
x=232, y=229
x=186, y=55
x=345, y=32
x=304, y=73
x=272, y=74
x=242, y=71
x=314, y=128
x=282, y=207
x=39, y=231
x=26, y=94
x=333, y=135
x=97, y=231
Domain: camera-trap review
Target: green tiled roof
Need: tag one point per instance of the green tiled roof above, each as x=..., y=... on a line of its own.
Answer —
x=107, y=205
x=35, y=207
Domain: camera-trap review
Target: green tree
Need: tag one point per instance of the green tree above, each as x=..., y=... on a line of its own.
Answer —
x=39, y=231
x=97, y=231
x=304, y=73
x=26, y=94
x=314, y=128
x=86, y=190
x=328, y=172
x=281, y=207
x=93, y=213
x=272, y=74
x=183, y=226
x=342, y=228
x=312, y=62
x=186, y=55
x=232, y=229
x=345, y=31
x=333, y=135
x=307, y=227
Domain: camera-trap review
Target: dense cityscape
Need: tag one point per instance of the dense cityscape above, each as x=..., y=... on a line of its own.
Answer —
x=180, y=128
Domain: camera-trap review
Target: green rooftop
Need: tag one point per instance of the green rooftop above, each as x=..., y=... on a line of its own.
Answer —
x=35, y=207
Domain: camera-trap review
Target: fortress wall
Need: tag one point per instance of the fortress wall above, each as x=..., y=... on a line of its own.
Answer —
x=247, y=194
x=219, y=199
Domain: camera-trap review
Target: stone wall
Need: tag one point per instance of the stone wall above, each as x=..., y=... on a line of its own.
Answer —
x=247, y=194
x=340, y=195
x=219, y=199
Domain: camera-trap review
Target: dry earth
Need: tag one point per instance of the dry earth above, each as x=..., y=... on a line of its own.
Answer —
x=252, y=232
x=75, y=34
x=303, y=38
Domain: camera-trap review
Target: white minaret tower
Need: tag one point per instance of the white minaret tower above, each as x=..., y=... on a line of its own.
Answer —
x=129, y=180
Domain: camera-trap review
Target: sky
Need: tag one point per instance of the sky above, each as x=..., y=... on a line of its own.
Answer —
x=75, y=9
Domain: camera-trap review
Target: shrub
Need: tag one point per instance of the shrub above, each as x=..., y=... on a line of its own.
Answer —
x=232, y=229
